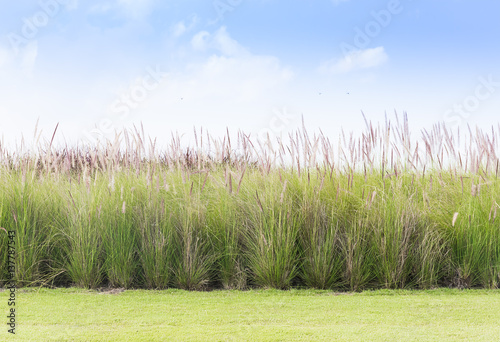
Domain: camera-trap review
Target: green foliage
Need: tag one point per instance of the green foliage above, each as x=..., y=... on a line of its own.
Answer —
x=384, y=215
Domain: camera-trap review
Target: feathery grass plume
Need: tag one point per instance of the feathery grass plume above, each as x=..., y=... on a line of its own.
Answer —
x=455, y=216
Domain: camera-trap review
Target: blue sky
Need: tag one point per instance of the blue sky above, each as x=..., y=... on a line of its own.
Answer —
x=259, y=66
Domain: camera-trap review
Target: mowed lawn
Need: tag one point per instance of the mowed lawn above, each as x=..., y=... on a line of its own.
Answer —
x=257, y=315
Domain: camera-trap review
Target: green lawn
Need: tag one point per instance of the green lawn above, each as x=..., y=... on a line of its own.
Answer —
x=261, y=315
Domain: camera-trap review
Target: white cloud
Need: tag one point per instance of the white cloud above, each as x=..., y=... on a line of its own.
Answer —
x=220, y=41
x=200, y=41
x=226, y=44
x=181, y=27
x=241, y=78
x=221, y=91
x=359, y=59
x=230, y=71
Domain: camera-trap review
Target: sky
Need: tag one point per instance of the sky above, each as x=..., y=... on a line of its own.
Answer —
x=258, y=66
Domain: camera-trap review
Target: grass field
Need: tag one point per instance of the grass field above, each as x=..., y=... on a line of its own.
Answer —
x=258, y=315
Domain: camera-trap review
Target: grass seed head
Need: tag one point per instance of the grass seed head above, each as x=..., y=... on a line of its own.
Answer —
x=455, y=215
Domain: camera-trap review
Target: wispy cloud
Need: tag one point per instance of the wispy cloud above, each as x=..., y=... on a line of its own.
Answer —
x=220, y=41
x=182, y=27
x=355, y=60
x=200, y=41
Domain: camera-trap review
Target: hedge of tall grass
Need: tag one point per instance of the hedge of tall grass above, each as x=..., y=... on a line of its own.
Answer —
x=377, y=211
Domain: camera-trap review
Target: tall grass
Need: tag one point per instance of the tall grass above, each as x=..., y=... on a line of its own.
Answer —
x=271, y=233
x=25, y=209
x=82, y=243
x=223, y=218
x=382, y=210
x=323, y=262
x=194, y=257
x=117, y=221
x=156, y=242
